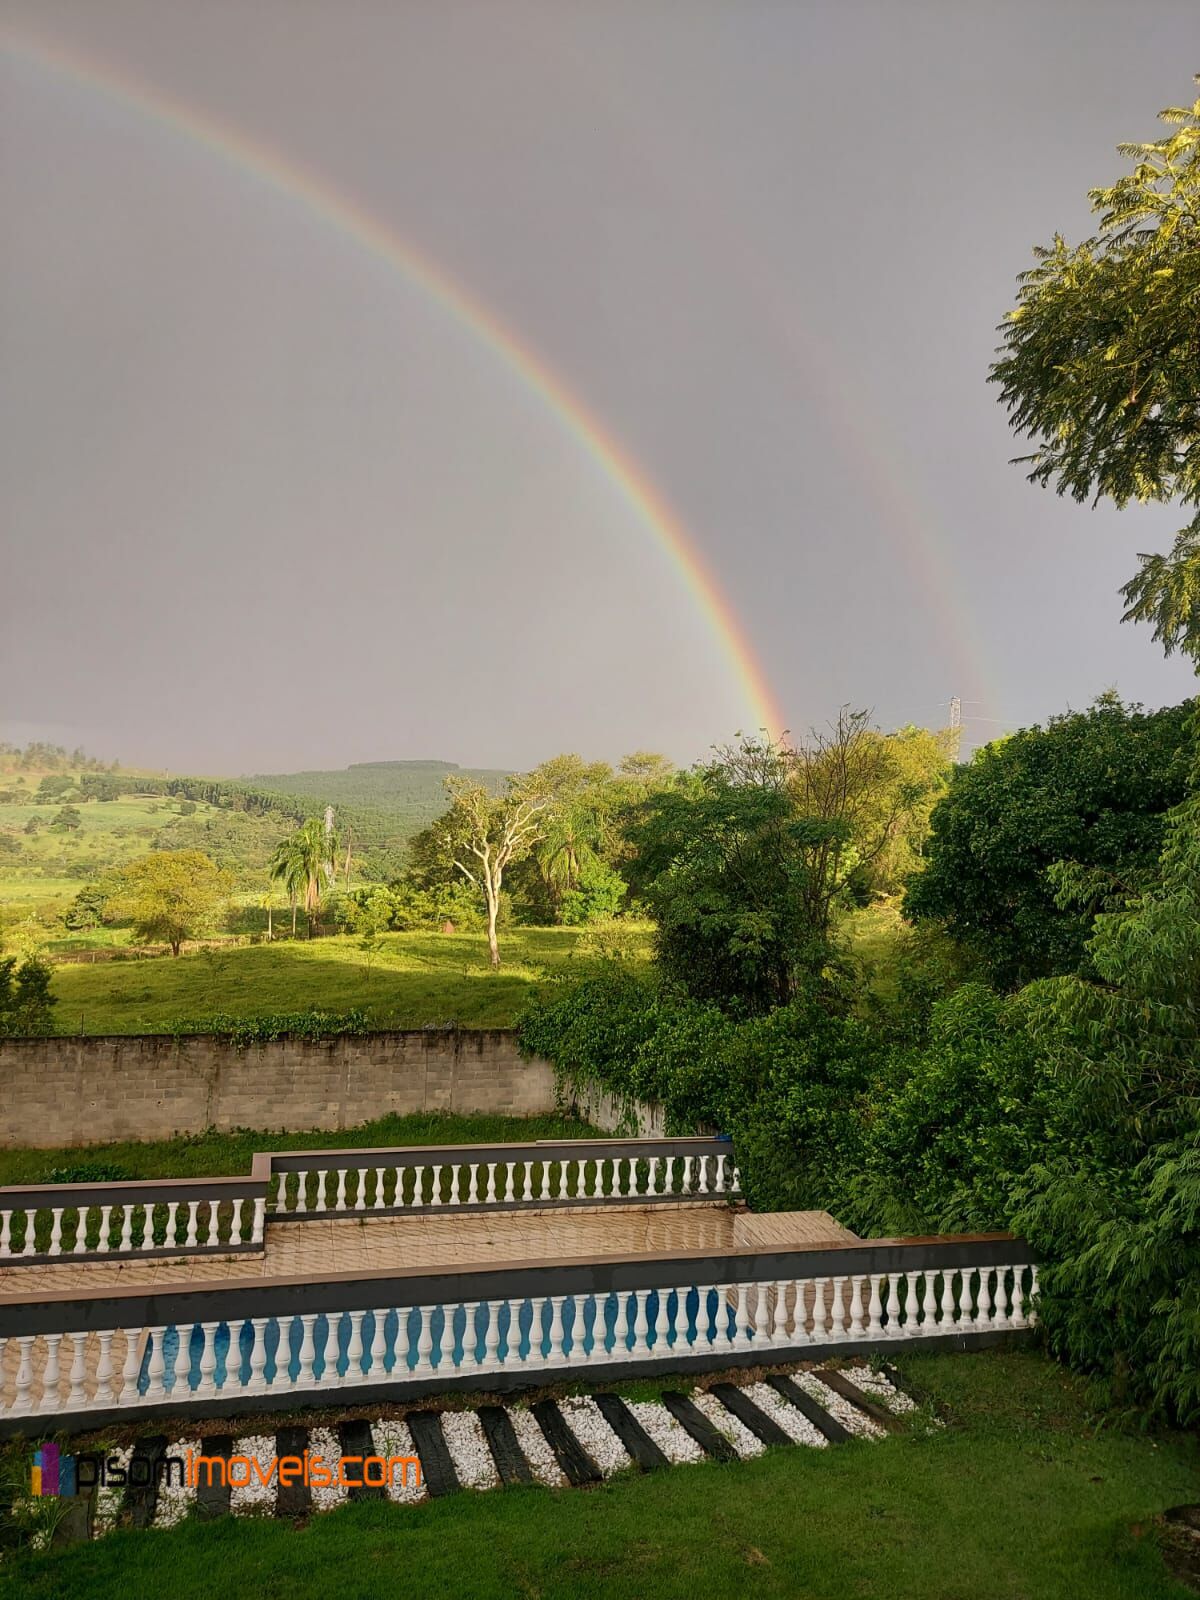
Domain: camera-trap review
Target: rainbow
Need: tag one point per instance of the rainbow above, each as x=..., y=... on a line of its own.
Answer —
x=354, y=222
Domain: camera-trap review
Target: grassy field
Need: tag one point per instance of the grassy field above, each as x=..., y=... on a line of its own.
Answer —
x=212, y=1154
x=416, y=980
x=1021, y=1497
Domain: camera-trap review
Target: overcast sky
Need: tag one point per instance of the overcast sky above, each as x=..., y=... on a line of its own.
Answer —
x=266, y=503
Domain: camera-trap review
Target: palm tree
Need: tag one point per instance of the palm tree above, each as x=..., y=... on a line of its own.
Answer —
x=301, y=861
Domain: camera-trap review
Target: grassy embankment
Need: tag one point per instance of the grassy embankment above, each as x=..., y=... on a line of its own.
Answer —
x=1021, y=1497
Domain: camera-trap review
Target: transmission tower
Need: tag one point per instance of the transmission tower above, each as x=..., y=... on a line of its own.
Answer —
x=955, y=713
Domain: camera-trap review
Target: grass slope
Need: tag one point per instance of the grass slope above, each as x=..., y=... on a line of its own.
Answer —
x=1021, y=1499
x=212, y=1154
x=417, y=980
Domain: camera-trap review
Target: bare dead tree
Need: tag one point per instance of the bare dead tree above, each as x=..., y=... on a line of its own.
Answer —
x=485, y=834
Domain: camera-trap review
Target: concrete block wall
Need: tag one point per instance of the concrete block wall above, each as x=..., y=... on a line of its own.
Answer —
x=90, y=1090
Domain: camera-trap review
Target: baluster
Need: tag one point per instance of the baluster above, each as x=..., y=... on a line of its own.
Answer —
x=126, y=1242
x=1000, y=1301
x=30, y=1230
x=1018, y=1297
x=260, y=1219
x=856, y=1304
x=107, y=1382
x=455, y=1175
x=628, y=1305
x=652, y=1176
x=183, y=1347
x=491, y=1183
x=662, y=1324
x=512, y=1336
x=580, y=1180
x=377, y=1354
x=837, y=1309
x=56, y=1231
x=424, y=1367
x=235, y=1221
x=23, y=1401
x=379, y=1201
x=735, y=1182
x=360, y=1203
x=510, y=1173
x=78, y=1394
x=257, y=1378
x=398, y=1200
x=354, y=1350
x=305, y=1378
x=983, y=1311
x=875, y=1307
x=418, y=1173
x=207, y=1385
x=102, y=1241
x=156, y=1367
x=555, y=1356
x=641, y=1325
x=702, y=1173
x=130, y=1367
x=473, y=1186
x=719, y=1183
x=49, y=1400
x=818, y=1327
x=1033, y=1289
x=598, y=1179
x=617, y=1190
x=81, y=1226
x=192, y=1224
x=668, y=1175
x=5, y=1233
x=545, y=1194
x=686, y=1186
x=470, y=1337
x=527, y=1188
x=892, y=1309
x=435, y=1197
x=281, y=1193
x=743, y=1334
x=301, y=1192
x=929, y=1307
x=322, y=1180
x=966, y=1314
x=599, y=1351
x=491, y=1336
x=912, y=1306
x=779, y=1329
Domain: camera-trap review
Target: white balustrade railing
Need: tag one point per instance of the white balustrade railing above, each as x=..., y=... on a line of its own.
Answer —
x=256, y=1345
x=321, y=1183
x=89, y=1222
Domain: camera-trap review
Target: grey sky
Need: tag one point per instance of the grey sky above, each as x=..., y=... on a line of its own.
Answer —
x=267, y=505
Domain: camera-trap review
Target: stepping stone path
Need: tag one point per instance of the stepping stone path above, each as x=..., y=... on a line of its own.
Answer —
x=577, y=1440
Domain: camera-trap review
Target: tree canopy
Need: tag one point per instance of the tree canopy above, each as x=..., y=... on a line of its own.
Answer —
x=1090, y=790
x=1100, y=364
x=171, y=895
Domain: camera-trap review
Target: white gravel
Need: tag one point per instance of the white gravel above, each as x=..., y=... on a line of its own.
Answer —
x=255, y=1496
x=671, y=1437
x=394, y=1439
x=325, y=1443
x=876, y=1385
x=850, y=1417
x=536, y=1451
x=469, y=1450
x=793, y=1422
x=175, y=1500
x=586, y=1421
x=109, y=1498
x=734, y=1429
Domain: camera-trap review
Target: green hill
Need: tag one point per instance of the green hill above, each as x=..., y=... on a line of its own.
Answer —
x=388, y=801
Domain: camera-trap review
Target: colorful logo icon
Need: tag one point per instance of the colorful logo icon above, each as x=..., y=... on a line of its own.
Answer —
x=53, y=1474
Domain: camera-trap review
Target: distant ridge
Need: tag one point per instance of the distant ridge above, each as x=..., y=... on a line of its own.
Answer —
x=423, y=766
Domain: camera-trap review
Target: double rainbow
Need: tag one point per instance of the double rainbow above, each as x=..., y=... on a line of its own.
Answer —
x=369, y=233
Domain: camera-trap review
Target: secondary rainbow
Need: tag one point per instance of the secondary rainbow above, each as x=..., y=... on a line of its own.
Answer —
x=312, y=192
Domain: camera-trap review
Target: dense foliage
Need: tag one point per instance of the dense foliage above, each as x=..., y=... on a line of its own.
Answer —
x=1100, y=359
x=26, y=1004
x=1089, y=790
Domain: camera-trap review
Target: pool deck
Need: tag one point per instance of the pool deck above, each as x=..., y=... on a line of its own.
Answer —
x=319, y=1247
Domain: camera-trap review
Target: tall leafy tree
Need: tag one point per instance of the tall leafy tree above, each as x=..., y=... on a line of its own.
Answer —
x=170, y=895
x=1100, y=364
x=484, y=835
x=304, y=861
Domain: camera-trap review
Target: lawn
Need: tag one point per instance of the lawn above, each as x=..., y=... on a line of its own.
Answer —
x=1021, y=1497
x=416, y=980
x=212, y=1154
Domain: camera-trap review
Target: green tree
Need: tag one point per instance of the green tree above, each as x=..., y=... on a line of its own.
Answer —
x=302, y=863
x=67, y=819
x=170, y=895
x=484, y=835
x=26, y=1004
x=1090, y=789
x=1099, y=364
